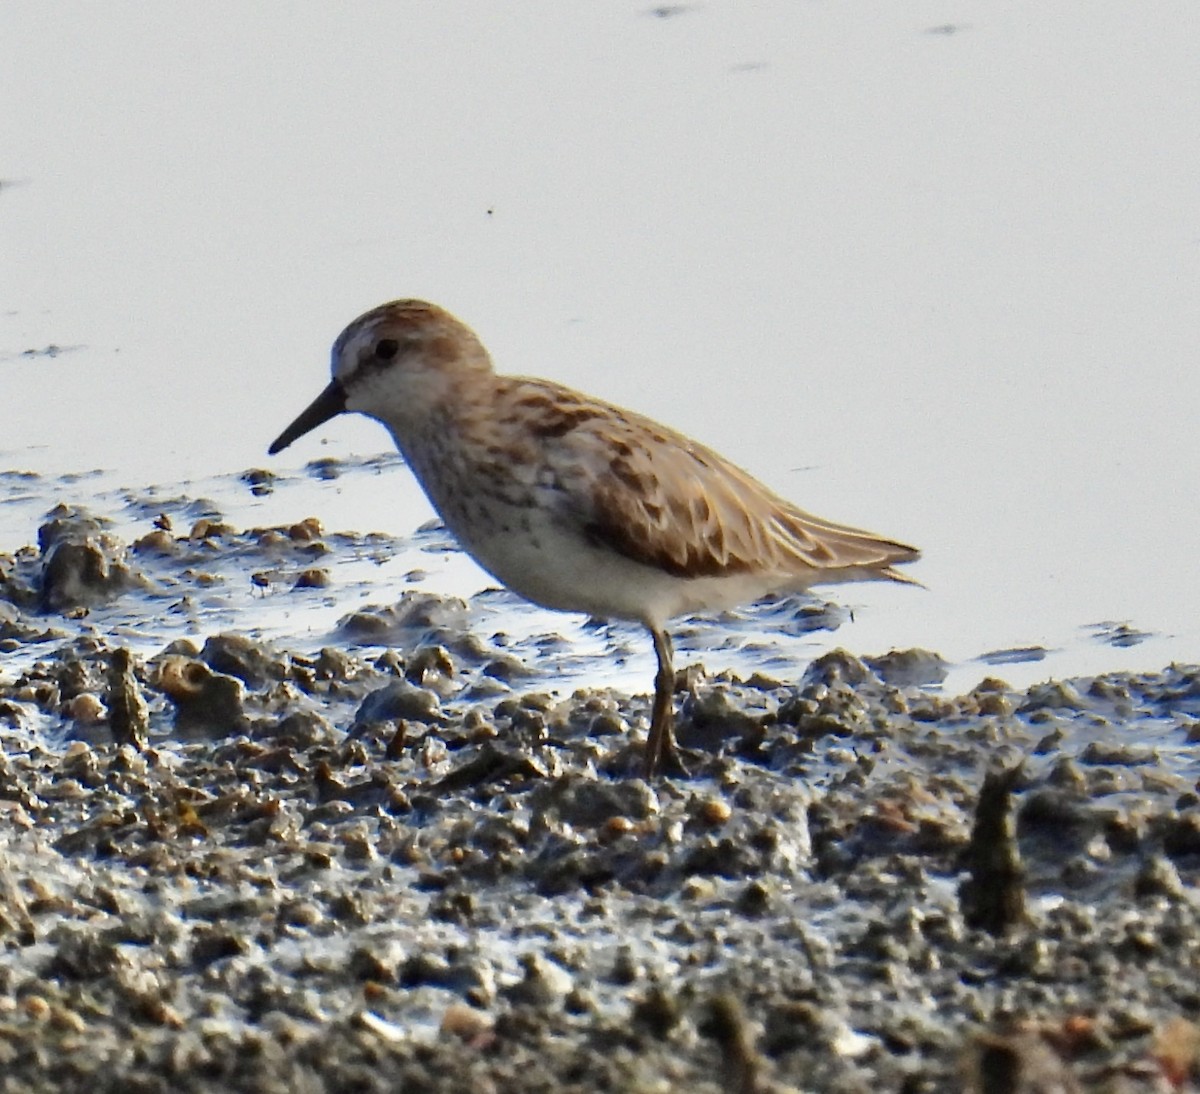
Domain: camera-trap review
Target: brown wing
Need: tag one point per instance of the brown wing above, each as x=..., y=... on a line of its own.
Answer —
x=662, y=499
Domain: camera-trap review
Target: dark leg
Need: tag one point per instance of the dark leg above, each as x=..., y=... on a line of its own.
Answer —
x=661, y=744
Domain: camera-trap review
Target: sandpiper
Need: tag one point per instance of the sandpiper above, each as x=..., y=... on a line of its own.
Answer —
x=576, y=504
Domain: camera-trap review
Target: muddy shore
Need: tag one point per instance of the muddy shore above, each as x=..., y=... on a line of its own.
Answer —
x=391, y=859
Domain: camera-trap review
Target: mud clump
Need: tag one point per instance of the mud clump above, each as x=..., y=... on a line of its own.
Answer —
x=81, y=564
x=207, y=703
x=128, y=717
x=993, y=894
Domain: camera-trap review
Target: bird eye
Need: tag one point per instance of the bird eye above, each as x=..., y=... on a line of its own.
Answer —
x=386, y=349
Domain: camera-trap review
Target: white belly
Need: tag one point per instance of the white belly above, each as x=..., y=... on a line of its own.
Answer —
x=539, y=553
x=557, y=569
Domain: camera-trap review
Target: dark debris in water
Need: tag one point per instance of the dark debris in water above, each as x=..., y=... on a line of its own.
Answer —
x=49, y=352
x=1015, y=655
x=1121, y=635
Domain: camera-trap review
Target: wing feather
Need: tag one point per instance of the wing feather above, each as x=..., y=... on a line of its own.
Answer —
x=666, y=501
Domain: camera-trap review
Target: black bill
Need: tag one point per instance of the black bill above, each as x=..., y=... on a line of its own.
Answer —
x=331, y=402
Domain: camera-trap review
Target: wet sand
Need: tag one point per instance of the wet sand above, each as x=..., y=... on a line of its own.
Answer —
x=371, y=846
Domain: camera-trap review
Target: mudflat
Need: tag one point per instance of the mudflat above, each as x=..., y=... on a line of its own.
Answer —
x=374, y=845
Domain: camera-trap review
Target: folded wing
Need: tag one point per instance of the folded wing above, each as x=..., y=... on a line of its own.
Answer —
x=663, y=500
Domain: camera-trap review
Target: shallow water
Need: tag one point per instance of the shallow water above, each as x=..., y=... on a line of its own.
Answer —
x=231, y=583
x=227, y=583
